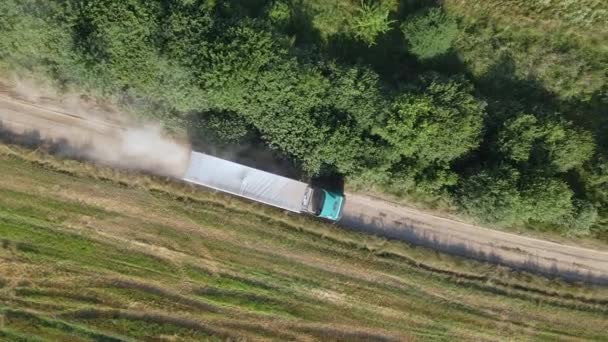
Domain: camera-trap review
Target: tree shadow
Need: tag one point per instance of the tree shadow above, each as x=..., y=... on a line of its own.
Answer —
x=388, y=56
x=409, y=7
x=509, y=94
x=301, y=26
x=242, y=8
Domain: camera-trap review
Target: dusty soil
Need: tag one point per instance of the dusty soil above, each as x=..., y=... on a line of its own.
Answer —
x=87, y=131
x=41, y=120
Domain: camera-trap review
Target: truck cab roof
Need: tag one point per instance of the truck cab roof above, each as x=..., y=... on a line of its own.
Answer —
x=333, y=203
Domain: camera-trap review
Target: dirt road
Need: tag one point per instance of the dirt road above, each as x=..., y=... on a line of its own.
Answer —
x=363, y=213
x=94, y=135
x=392, y=221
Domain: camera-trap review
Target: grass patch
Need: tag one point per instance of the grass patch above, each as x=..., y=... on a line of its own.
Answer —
x=28, y=323
x=248, y=301
x=39, y=243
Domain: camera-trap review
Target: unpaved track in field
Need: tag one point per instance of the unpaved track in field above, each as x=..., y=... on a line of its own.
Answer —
x=394, y=221
x=35, y=120
x=370, y=215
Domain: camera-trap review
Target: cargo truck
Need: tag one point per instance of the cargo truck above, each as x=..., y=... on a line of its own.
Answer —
x=264, y=187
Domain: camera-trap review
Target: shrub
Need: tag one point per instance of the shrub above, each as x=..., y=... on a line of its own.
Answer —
x=419, y=120
x=279, y=14
x=371, y=21
x=225, y=127
x=504, y=196
x=546, y=200
x=430, y=33
x=518, y=136
x=492, y=196
x=568, y=147
x=582, y=219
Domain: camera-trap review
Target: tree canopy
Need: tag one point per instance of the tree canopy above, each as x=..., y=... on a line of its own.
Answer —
x=418, y=120
x=379, y=92
x=430, y=33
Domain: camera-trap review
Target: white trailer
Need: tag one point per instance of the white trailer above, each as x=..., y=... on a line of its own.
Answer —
x=262, y=186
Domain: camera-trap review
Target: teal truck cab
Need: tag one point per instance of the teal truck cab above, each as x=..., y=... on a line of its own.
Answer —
x=323, y=203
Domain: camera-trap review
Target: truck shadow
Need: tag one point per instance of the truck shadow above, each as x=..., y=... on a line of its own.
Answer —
x=407, y=232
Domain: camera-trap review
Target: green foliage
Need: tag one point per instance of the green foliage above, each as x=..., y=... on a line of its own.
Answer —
x=517, y=138
x=503, y=195
x=584, y=216
x=279, y=14
x=35, y=41
x=419, y=120
x=417, y=160
x=567, y=146
x=430, y=33
x=113, y=39
x=561, y=44
x=546, y=200
x=427, y=183
x=371, y=21
x=564, y=146
x=357, y=95
x=492, y=196
x=223, y=127
x=530, y=143
x=597, y=182
x=288, y=74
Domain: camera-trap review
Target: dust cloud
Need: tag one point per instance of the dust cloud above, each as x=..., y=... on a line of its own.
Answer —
x=78, y=126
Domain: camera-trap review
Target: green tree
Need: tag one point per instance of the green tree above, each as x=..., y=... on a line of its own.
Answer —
x=371, y=21
x=492, y=196
x=518, y=137
x=557, y=142
x=596, y=177
x=584, y=216
x=279, y=14
x=430, y=33
x=356, y=93
x=222, y=127
x=502, y=195
x=547, y=200
x=32, y=40
x=426, y=182
x=114, y=38
x=438, y=122
x=250, y=72
x=567, y=147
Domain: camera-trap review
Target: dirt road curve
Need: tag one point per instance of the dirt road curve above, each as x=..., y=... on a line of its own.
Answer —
x=376, y=216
